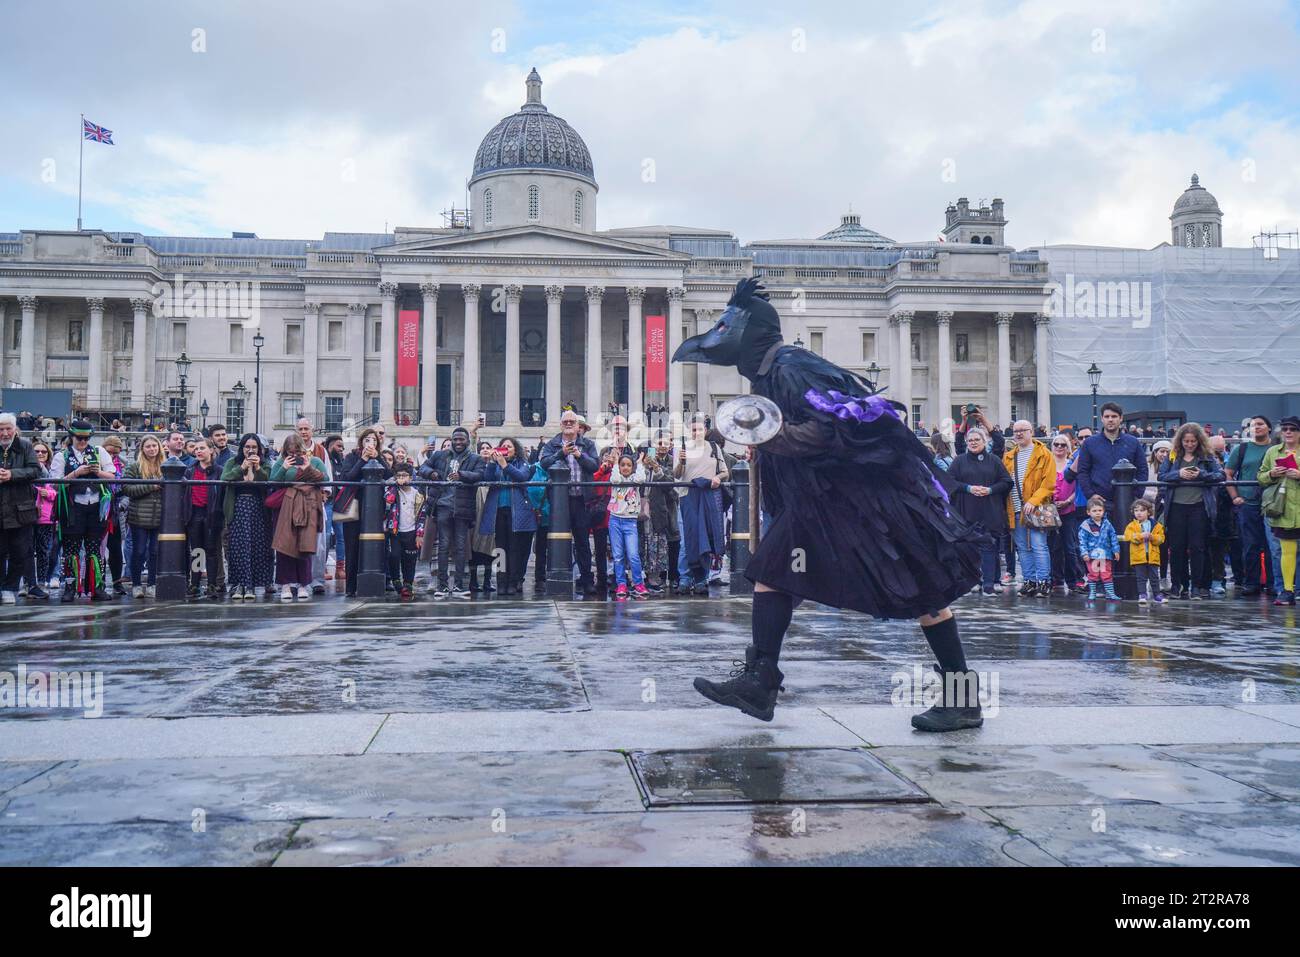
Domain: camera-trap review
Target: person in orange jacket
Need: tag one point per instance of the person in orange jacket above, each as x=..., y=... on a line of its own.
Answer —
x=1145, y=535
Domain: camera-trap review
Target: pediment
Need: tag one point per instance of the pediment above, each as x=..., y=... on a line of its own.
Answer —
x=532, y=241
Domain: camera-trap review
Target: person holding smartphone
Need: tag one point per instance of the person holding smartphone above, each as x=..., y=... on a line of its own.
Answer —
x=244, y=505
x=578, y=453
x=453, y=508
x=366, y=451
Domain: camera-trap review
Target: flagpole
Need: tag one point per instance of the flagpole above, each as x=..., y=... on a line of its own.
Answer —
x=81, y=152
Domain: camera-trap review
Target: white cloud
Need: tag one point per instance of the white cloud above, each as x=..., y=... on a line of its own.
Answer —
x=746, y=132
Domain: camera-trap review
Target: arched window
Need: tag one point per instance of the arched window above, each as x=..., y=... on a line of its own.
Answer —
x=988, y=240
x=975, y=239
x=534, y=203
x=577, y=207
x=487, y=207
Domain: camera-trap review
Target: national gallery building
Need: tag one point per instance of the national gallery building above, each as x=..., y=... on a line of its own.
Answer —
x=522, y=306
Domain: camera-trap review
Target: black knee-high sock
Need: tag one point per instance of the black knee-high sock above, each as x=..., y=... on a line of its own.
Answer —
x=772, y=612
x=946, y=645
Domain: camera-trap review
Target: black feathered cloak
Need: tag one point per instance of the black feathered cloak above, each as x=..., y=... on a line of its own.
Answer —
x=859, y=513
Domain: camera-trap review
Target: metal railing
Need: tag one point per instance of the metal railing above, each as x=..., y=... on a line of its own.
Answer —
x=172, y=579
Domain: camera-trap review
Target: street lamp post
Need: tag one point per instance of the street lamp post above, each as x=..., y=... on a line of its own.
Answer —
x=259, y=340
x=203, y=411
x=872, y=375
x=241, y=393
x=1094, y=378
x=182, y=371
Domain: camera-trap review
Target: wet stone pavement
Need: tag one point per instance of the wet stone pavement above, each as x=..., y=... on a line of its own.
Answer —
x=530, y=731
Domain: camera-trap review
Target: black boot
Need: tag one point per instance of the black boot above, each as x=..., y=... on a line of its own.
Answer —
x=955, y=710
x=473, y=579
x=752, y=690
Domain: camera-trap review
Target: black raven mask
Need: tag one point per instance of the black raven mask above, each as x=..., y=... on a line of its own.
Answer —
x=741, y=337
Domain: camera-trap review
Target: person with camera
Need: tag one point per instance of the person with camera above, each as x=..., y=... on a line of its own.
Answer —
x=973, y=417
x=578, y=453
x=452, y=508
x=508, y=513
x=82, y=508
x=300, y=518
x=347, y=501
x=244, y=507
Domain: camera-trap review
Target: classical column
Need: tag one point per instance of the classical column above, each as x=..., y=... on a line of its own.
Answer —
x=594, y=358
x=469, y=375
x=310, y=355
x=942, y=320
x=139, y=349
x=27, y=363
x=1003, y=413
x=514, y=293
x=676, y=294
x=95, y=353
x=635, y=348
x=554, y=294
x=357, y=333
x=703, y=396
x=903, y=390
x=388, y=352
x=4, y=341
x=429, y=356
x=1044, y=392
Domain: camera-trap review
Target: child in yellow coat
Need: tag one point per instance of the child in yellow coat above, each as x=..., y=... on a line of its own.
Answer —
x=1145, y=536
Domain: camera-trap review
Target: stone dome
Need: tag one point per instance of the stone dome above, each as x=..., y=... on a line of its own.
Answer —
x=1197, y=198
x=533, y=138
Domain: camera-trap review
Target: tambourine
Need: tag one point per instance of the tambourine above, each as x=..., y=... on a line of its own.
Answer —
x=748, y=419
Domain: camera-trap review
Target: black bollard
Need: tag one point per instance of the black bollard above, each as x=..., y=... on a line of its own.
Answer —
x=559, y=562
x=172, y=581
x=740, y=531
x=1121, y=474
x=370, y=541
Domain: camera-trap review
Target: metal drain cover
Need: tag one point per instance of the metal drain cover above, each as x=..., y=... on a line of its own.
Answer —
x=769, y=776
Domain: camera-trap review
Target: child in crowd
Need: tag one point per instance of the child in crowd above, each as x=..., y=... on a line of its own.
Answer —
x=624, y=511
x=599, y=519
x=1145, y=536
x=404, y=525
x=1099, y=546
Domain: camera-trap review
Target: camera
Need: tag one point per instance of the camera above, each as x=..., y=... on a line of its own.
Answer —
x=971, y=408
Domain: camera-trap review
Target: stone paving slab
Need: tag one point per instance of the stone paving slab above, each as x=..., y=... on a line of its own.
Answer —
x=14, y=774
x=607, y=731
x=1191, y=835
x=1271, y=768
x=1187, y=724
x=136, y=845
x=1285, y=713
x=295, y=788
x=105, y=738
x=814, y=835
x=1070, y=775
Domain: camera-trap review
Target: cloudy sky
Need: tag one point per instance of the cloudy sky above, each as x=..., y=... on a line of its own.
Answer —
x=767, y=119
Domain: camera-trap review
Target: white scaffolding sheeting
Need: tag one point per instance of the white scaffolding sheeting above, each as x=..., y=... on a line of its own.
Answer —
x=1174, y=320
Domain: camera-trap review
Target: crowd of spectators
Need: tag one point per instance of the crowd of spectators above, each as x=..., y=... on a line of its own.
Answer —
x=465, y=517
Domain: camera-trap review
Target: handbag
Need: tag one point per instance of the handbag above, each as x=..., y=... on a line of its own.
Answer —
x=1045, y=516
x=275, y=498
x=351, y=513
x=1272, y=504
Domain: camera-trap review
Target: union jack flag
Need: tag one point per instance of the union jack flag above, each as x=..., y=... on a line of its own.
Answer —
x=97, y=133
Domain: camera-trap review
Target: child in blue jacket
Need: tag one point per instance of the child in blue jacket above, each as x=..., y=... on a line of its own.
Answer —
x=1099, y=546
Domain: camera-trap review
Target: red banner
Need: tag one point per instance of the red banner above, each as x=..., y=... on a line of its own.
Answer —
x=656, y=354
x=408, y=347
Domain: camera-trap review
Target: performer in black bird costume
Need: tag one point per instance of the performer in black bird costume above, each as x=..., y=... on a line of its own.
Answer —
x=859, y=517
